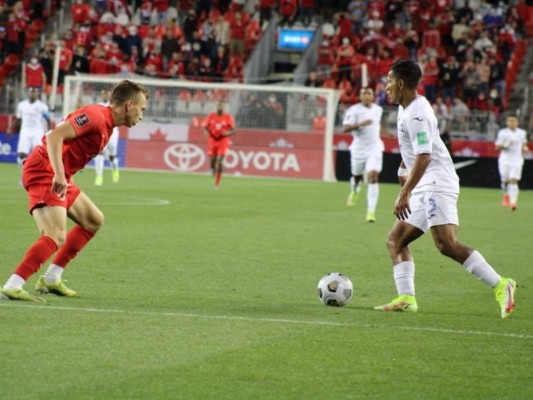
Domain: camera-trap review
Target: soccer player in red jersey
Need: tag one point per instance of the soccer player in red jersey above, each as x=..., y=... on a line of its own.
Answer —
x=218, y=127
x=53, y=196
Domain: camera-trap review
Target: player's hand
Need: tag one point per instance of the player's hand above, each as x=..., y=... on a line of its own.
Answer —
x=59, y=186
x=401, y=206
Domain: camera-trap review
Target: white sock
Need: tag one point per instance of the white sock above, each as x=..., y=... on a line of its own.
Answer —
x=404, y=277
x=512, y=189
x=99, y=165
x=352, y=184
x=372, y=195
x=114, y=164
x=53, y=273
x=480, y=268
x=14, y=282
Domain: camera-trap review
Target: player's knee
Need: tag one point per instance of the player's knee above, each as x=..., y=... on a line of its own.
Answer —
x=446, y=248
x=95, y=221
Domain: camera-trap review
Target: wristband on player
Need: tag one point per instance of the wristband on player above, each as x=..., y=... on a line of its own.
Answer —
x=402, y=171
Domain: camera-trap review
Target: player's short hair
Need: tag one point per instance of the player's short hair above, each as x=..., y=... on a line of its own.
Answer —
x=366, y=88
x=127, y=90
x=408, y=71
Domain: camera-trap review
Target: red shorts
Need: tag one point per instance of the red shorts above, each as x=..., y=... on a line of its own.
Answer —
x=37, y=176
x=217, y=147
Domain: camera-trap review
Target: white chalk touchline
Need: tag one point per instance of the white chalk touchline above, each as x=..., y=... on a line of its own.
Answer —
x=271, y=320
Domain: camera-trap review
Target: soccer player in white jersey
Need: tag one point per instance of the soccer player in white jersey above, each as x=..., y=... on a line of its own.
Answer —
x=512, y=144
x=428, y=196
x=30, y=119
x=109, y=152
x=363, y=120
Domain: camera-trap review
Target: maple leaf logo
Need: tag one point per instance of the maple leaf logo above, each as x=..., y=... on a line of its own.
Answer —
x=158, y=136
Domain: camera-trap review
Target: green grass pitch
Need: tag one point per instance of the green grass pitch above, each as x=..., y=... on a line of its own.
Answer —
x=193, y=293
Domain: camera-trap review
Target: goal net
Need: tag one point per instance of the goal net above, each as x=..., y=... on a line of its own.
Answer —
x=282, y=131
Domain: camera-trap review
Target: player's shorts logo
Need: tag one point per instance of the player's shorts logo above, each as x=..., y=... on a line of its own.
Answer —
x=81, y=120
x=184, y=157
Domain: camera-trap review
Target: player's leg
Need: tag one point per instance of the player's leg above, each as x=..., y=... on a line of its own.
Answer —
x=373, y=167
x=51, y=222
x=111, y=152
x=504, y=171
x=398, y=240
x=515, y=174
x=88, y=219
x=219, y=164
x=99, y=161
x=357, y=168
x=444, y=222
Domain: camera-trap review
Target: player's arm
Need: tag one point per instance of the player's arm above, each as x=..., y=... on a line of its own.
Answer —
x=14, y=127
x=402, y=174
x=231, y=131
x=353, y=127
x=401, y=207
x=48, y=120
x=54, y=143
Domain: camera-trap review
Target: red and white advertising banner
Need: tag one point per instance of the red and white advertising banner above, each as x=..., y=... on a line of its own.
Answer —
x=252, y=151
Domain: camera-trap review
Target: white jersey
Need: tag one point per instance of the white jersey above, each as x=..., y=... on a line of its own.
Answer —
x=32, y=116
x=366, y=140
x=418, y=133
x=514, y=142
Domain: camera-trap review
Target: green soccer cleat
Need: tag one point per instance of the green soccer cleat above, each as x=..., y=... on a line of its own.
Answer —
x=404, y=302
x=99, y=180
x=19, y=294
x=371, y=216
x=352, y=199
x=504, y=291
x=58, y=288
x=115, y=175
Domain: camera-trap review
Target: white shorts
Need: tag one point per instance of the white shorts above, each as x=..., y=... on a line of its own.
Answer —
x=510, y=171
x=27, y=142
x=433, y=208
x=111, y=147
x=374, y=162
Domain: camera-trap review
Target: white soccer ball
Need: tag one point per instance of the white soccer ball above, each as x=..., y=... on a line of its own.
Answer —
x=335, y=289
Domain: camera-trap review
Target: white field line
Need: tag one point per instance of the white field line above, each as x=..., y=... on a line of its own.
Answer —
x=269, y=320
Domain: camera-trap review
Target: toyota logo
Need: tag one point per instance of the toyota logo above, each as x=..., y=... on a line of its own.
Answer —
x=184, y=157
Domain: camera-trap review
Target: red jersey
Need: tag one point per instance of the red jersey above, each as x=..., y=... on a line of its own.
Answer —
x=216, y=125
x=93, y=125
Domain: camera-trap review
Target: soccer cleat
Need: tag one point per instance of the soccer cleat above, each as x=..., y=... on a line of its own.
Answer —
x=512, y=207
x=504, y=291
x=352, y=199
x=115, y=175
x=58, y=288
x=371, y=216
x=99, y=181
x=505, y=200
x=404, y=302
x=19, y=294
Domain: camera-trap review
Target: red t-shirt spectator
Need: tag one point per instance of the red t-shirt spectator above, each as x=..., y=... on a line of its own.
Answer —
x=80, y=12
x=35, y=76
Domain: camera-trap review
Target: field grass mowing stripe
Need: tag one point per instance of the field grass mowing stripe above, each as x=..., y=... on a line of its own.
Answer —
x=273, y=320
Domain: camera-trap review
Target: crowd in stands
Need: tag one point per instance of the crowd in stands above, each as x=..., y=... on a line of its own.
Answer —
x=468, y=50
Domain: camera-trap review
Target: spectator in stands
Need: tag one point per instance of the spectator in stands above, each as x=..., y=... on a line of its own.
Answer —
x=237, y=34
x=265, y=11
x=307, y=11
x=35, y=75
x=250, y=112
x=496, y=104
x=169, y=46
x=444, y=119
x=345, y=53
x=356, y=9
x=132, y=40
x=189, y=25
x=483, y=42
x=80, y=62
x=274, y=113
x=497, y=75
x=506, y=41
x=79, y=12
x=430, y=72
x=65, y=62
x=483, y=69
x=460, y=114
x=471, y=81
x=449, y=79
x=482, y=108
x=288, y=10
x=312, y=80
x=176, y=67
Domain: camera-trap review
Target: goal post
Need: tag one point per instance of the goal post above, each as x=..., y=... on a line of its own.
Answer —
x=282, y=131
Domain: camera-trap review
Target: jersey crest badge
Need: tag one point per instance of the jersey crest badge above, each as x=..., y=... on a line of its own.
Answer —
x=81, y=120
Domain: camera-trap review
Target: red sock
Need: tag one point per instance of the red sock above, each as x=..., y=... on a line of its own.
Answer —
x=77, y=238
x=36, y=256
x=218, y=175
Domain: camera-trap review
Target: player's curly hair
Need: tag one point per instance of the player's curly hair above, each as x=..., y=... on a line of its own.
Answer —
x=408, y=71
x=127, y=90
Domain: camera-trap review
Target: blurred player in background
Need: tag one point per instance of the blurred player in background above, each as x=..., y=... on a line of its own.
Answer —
x=363, y=120
x=31, y=116
x=53, y=196
x=109, y=152
x=428, y=196
x=218, y=127
x=512, y=144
